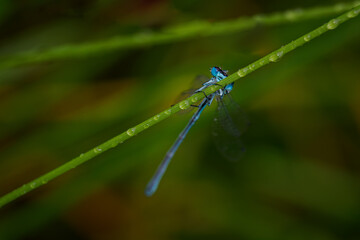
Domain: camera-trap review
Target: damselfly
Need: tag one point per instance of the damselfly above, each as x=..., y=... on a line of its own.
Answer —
x=226, y=132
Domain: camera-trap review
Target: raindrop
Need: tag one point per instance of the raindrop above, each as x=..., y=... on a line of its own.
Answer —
x=97, y=149
x=184, y=105
x=307, y=38
x=276, y=56
x=194, y=99
x=242, y=72
x=332, y=24
x=353, y=13
x=131, y=132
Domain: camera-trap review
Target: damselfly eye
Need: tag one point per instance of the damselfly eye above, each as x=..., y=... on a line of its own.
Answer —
x=214, y=71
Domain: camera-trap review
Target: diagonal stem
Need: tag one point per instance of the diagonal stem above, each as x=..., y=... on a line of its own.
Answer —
x=272, y=57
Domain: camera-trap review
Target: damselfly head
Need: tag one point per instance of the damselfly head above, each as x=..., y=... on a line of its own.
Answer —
x=215, y=71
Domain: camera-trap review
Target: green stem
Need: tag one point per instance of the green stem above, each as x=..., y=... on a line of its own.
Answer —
x=272, y=57
x=178, y=33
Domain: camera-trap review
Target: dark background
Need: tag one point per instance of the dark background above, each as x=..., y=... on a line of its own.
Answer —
x=298, y=179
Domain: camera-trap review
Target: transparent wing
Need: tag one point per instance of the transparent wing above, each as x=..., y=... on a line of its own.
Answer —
x=195, y=85
x=229, y=124
x=234, y=111
x=199, y=81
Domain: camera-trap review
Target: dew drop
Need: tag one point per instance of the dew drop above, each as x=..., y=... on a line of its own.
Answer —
x=252, y=66
x=157, y=117
x=44, y=181
x=353, y=13
x=81, y=155
x=276, y=56
x=131, y=132
x=262, y=62
x=97, y=150
x=273, y=58
x=33, y=184
x=194, y=99
x=146, y=125
x=332, y=24
x=184, y=105
x=307, y=37
x=167, y=112
x=242, y=72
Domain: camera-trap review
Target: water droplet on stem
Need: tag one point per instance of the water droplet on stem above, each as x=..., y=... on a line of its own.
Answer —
x=131, y=132
x=332, y=24
x=184, y=105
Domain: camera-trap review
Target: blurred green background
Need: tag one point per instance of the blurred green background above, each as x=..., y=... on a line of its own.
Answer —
x=298, y=179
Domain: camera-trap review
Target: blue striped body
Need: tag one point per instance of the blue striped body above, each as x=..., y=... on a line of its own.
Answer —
x=217, y=75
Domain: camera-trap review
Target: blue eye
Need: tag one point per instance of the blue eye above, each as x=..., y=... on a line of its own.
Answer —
x=214, y=71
